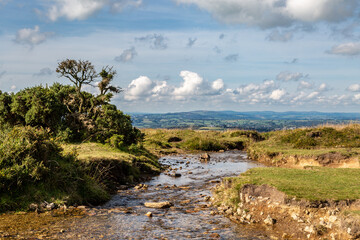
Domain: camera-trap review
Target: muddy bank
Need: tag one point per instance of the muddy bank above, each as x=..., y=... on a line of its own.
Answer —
x=286, y=218
x=277, y=159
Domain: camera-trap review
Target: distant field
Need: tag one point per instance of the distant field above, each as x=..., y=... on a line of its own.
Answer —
x=258, y=121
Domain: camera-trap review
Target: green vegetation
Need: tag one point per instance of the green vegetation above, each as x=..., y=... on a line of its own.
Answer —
x=33, y=168
x=315, y=184
x=174, y=141
x=35, y=121
x=341, y=139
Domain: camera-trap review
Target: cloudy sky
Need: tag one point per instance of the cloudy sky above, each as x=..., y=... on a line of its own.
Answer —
x=183, y=55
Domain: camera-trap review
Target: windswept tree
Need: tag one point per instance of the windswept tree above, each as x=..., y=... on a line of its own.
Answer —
x=107, y=75
x=80, y=73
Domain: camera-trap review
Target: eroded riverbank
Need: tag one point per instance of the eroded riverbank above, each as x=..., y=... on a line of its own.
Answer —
x=191, y=215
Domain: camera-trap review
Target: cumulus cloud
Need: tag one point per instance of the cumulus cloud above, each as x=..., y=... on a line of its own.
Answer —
x=127, y=55
x=139, y=88
x=232, y=58
x=277, y=94
x=13, y=88
x=83, y=9
x=191, y=42
x=324, y=87
x=156, y=41
x=31, y=37
x=193, y=86
x=277, y=13
x=353, y=88
x=305, y=85
x=346, y=49
x=277, y=36
x=288, y=76
x=43, y=72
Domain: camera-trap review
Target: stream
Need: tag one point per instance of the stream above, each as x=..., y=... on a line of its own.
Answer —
x=124, y=216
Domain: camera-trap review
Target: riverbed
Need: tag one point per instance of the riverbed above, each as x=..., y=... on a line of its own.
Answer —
x=124, y=216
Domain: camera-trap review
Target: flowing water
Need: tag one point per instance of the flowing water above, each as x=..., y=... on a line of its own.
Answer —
x=190, y=217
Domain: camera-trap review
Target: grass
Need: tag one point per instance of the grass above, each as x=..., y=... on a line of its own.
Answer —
x=165, y=141
x=343, y=139
x=111, y=166
x=310, y=184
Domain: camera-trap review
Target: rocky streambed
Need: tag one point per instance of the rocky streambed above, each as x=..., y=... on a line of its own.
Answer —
x=174, y=205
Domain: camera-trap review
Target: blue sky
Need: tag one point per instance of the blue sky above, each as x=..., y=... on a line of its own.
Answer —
x=183, y=55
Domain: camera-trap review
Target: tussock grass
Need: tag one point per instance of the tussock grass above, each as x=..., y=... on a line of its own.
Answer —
x=161, y=141
x=343, y=139
x=310, y=184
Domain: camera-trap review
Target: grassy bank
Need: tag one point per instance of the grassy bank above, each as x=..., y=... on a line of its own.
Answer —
x=315, y=184
x=163, y=141
x=342, y=140
x=34, y=168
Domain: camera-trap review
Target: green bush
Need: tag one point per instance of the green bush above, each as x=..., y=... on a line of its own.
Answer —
x=33, y=168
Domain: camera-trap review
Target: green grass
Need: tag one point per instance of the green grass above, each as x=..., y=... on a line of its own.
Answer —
x=310, y=184
x=158, y=140
x=343, y=139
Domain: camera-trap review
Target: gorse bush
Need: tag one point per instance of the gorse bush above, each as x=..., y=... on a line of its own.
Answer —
x=57, y=109
x=32, y=167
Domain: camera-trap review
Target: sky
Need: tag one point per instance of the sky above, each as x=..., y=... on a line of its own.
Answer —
x=185, y=55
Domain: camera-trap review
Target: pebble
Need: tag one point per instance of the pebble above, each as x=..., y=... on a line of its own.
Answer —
x=149, y=214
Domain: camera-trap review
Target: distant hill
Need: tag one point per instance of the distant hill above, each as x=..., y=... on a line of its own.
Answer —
x=260, y=120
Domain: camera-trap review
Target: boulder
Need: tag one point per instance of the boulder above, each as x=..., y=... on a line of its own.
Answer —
x=205, y=157
x=269, y=221
x=166, y=204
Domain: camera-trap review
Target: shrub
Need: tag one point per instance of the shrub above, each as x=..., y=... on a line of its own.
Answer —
x=33, y=168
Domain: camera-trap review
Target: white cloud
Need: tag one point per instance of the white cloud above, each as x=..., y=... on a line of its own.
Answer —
x=139, y=88
x=13, y=87
x=323, y=87
x=83, y=9
x=305, y=85
x=193, y=86
x=127, y=55
x=288, y=76
x=357, y=96
x=277, y=94
x=31, y=37
x=353, y=88
x=218, y=84
x=346, y=49
x=275, y=13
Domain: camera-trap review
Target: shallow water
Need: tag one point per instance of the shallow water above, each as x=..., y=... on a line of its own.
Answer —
x=123, y=217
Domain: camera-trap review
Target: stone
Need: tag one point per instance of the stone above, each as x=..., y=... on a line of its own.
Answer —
x=205, y=157
x=166, y=204
x=175, y=175
x=269, y=220
x=332, y=219
x=149, y=214
x=294, y=216
x=33, y=206
x=50, y=206
x=309, y=229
